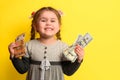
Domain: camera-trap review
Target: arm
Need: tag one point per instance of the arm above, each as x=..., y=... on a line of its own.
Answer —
x=70, y=68
x=21, y=65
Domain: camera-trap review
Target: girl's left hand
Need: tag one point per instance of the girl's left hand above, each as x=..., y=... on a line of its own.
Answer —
x=80, y=52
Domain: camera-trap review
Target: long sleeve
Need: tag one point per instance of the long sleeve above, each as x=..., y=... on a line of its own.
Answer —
x=21, y=65
x=70, y=68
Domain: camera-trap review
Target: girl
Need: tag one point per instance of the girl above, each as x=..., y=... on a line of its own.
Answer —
x=44, y=58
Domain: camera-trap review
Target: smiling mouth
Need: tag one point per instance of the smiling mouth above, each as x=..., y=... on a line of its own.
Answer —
x=48, y=29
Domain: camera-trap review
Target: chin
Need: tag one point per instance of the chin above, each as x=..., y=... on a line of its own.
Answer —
x=48, y=36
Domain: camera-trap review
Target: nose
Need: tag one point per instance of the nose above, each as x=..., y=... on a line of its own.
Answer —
x=48, y=23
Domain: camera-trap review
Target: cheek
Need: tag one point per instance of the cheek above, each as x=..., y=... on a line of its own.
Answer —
x=39, y=26
x=57, y=28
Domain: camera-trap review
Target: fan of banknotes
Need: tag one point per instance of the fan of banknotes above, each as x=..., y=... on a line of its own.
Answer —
x=20, y=50
x=82, y=41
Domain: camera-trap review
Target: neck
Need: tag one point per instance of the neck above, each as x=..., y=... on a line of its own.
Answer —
x=48, y=41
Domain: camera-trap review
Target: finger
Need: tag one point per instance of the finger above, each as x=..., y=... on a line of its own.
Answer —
x=78, y=46
x=21, y=42
x=79, y=49
x=12, y=45
x=11, y=48
x=79, y=52
x=19, y=55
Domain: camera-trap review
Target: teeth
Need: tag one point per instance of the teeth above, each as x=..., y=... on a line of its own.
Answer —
x=48, y=29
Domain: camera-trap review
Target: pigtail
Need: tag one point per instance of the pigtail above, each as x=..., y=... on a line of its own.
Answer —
x=58, y=35
x=32, y=33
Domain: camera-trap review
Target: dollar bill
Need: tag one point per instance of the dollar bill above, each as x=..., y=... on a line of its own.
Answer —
x=82, y=41
x=20, y=50
x=20, y=37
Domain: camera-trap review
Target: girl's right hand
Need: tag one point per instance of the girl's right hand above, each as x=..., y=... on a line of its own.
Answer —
x=16, y=49
x=11, y=48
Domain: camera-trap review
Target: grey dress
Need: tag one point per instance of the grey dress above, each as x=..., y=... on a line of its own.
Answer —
x=53, y=53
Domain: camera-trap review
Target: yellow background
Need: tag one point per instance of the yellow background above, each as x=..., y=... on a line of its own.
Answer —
x=101, y=18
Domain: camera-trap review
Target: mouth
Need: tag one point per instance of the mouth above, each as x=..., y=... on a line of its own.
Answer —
x=48, y=29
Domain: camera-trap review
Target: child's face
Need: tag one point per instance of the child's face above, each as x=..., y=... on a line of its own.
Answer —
x=48, y=24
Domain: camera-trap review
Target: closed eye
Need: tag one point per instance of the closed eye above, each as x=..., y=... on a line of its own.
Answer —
x=43, y=20
x=53, y=21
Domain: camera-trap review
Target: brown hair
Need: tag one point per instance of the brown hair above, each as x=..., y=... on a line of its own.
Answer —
x=36, y=17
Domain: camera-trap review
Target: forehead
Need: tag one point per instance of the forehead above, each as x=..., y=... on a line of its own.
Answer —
x=48, y=14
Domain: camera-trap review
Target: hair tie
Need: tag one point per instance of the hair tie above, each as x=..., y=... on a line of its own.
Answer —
x=60, y=12
x=32, y=14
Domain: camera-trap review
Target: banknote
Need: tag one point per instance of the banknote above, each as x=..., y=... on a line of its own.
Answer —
x=82, y=41
x=20, y=50
x=20, y=37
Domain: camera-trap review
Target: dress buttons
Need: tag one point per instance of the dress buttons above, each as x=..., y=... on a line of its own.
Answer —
x=44, y=57
x=45, y=47
x=45, y=52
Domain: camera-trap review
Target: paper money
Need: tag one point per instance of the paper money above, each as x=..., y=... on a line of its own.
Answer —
x=82, y=41
x=20, y=37
x=70, y=54
x=20, y=50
